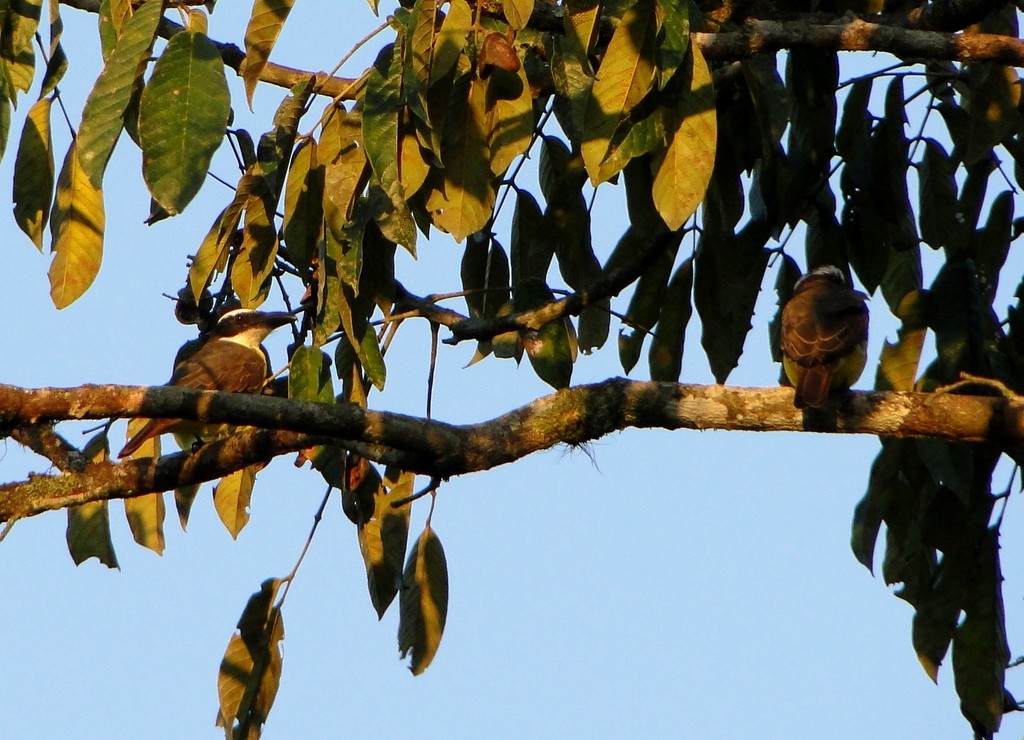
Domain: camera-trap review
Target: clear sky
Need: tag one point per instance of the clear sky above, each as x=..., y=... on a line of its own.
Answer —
x=660, y=584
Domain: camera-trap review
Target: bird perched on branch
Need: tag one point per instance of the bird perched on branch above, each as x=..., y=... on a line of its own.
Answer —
x=232, y=359
x=824, y=336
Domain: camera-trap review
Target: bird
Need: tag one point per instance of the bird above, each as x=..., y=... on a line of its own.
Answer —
x=232, y=359
x=824, y=336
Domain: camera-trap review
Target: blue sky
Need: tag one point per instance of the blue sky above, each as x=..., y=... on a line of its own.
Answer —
x=658, y=585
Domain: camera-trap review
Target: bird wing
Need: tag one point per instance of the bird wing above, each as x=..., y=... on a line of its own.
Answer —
x=222, y=365
x=825, y=326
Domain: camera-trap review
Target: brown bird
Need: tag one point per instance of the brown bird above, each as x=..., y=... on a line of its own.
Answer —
x=824, y=336
x=232, y=360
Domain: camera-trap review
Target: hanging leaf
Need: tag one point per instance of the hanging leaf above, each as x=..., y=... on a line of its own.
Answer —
x=303, y=205
x=509, y=118
x=183, y=115
x=381, y=107
x=898, y=363
x=462, y=203
x=683, y=172
x=103, y=116
x=184, y=497
x=518, y=12
x=231, y=499
x=383, y=537
x=625, y=76
x=645, y=306
x=424, y=602
x=265, y=24
x=936, y=195
x=552, y=348
x=88, y=532
x=33, y=173
x=665, y=359
x=212, y=253
x=17, y=41
x=250, y=275
x=250, y=672
x=993, y=110
x=309, y=377
x=76, y=228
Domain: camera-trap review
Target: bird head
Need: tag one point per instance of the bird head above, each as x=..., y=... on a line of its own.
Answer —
x=249, y=327
x=829, y=273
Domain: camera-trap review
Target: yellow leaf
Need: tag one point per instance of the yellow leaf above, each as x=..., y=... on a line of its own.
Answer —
x=518, y=12
x=265, y=24
x=76, y=228
x=623, y=79
x=509, y=121
x=412, y=167
x=33, y=173
x=683, y=170
x=424, y=602
x=250, y=672
x=88, y=533
x=250, y=274
x=231, y=499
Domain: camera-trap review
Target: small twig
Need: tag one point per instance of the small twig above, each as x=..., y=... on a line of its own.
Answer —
x=431, y=488
x=305, y=548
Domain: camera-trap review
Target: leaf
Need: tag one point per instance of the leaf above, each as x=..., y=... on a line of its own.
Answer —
x=936, y=195
x=531, y=255
x=625, y=76
x=885, y=486
x=183, y=499
x=727, y=278
x=212, y=253
x=275, y=146
x=993, y=109
x=992, y=243
x=645, y=306
x=250, y=672
x=16, y=44
x=346, y=168
x=518, y=12
x=250, y=275
x=423, y=602
x=309, y=378
x=265, y=24
x=665, y=359
x=146, y=520
x=462, y=203
x=450, y=40
x=980, y=650
x=381, y=106
x=383, y=538
x=88, y=532
x=898, y=363
x=231, y=499
x=33, y=173
x=103, y=115
x=183, y=115
x=550, y=348
x=303, y=205
x=683, y=172
x=76, y=228
x=673, y=39
x=509, y=119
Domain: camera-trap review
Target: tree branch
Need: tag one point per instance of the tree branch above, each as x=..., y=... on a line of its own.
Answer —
x=571, y=416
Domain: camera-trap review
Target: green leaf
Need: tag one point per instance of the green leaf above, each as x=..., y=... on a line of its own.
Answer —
x=76, y=227
x=424, y=602
x=275, y=146
x=17, y=41
x=625, y=76
x=250, y=275
x=898, y=363
x=683, y=171
x=146, y=520
x=184, y=497
x=250, y=672
x=551, y=348
x=980, y=650
x=383, y=538
x=265, y=24
x=518, y=12
x=992, y=244
x=993, y=110
x=33, y=173
x=509, y=118
x=451, y=39
x=103, y=116
x=936, y=195
x=381, y=107
x=885, y=486
x=88, y=532
x=673, y=39
x=645, y=306
x=462, y=202
x=531, y=255
x=665, y=359
x=303, y=205
x=231, y=499
x=727, y=279
x=183, y=115
x=309, y=377
x=213, y=252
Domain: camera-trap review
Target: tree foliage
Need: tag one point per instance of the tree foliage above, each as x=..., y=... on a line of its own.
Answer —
x=903, y=176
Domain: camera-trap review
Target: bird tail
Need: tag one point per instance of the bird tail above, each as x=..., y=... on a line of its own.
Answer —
x=150, y=429
x=812, y=390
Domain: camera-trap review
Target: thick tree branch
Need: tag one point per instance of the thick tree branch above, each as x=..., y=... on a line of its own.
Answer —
x=572, y=416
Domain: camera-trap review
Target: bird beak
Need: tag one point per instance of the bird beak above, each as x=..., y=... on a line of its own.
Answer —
x=278, y=318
